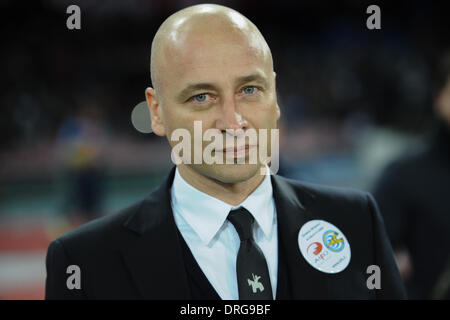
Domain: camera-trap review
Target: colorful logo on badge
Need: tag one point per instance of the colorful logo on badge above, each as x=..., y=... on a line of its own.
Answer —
x=314, y=249
x=332, y=242
x=324, y=246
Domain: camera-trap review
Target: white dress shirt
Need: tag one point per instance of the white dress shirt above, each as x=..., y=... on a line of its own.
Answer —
x=213, y=240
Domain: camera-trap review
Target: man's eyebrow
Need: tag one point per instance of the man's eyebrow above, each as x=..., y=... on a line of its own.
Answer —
x=253, y=78
x=194, y=87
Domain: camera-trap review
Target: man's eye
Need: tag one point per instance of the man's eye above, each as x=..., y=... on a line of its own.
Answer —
x=200, y=97
x=250, y=90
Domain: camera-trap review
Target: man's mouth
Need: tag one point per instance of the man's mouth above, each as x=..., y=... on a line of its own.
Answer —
x=236, y=151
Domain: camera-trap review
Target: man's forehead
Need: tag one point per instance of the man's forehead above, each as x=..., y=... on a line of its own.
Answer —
x=206, y=62
x=206, y=48
x=198, y=51
x=204, y=35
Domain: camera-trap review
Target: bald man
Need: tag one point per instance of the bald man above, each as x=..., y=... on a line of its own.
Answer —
x=229, y=228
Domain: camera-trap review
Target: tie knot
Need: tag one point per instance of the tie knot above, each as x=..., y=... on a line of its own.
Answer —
x=243, y=222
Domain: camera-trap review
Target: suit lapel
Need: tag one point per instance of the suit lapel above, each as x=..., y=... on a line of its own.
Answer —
x=292, y=214
x=154, y=256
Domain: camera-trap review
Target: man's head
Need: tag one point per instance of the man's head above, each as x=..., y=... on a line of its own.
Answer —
x=211, y=64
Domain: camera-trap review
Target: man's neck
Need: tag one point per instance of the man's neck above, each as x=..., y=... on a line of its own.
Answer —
x=231, y=193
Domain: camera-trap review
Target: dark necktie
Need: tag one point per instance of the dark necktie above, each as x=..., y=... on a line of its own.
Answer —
x=251, y=266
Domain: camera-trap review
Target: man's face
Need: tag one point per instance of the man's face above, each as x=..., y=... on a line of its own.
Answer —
x=224, y=82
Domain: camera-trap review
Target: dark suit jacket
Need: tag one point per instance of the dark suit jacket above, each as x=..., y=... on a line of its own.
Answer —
x=136, y=253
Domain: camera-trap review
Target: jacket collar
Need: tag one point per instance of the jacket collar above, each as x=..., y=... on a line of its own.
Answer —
x=154, y=257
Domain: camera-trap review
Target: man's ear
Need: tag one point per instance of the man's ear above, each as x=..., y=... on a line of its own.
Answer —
x=278, y=111
x=154, y=107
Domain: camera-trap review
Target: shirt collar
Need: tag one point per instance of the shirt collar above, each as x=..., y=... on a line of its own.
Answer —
x=206, y=214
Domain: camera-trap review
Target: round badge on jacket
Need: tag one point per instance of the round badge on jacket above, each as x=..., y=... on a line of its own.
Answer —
x=324, y=246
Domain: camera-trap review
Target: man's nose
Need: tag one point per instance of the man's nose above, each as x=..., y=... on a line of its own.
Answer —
x=230, y=117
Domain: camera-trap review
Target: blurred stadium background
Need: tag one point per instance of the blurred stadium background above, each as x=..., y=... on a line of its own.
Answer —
x=352, y=99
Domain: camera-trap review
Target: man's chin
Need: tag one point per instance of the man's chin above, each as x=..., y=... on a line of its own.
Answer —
x=230, y=173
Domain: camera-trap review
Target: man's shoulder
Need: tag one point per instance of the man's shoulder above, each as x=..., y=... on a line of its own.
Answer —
x=353, y=211
x=310, y=191
x=105, y=230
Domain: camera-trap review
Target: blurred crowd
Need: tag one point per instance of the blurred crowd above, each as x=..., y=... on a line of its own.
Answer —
x=360, y=108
